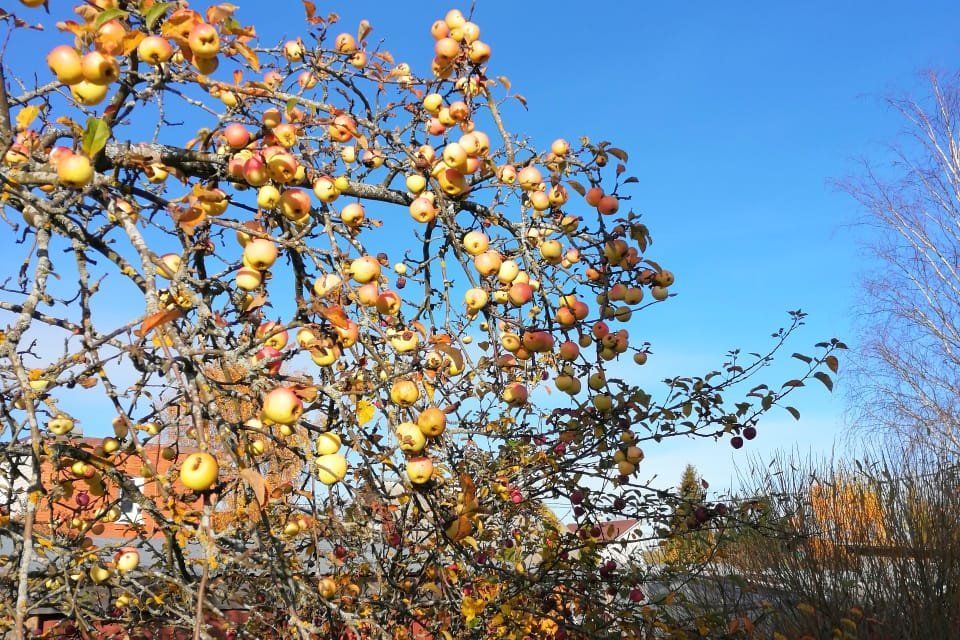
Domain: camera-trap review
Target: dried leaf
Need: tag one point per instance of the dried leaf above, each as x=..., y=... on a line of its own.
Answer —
x=249, y=55
x=256, y=482
x=832, y=362
x=158, y=319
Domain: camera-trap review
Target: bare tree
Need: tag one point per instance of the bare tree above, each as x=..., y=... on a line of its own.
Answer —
x=907, y=375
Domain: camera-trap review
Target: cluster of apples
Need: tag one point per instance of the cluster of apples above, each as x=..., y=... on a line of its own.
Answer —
x=412, y=436
x=457, y=44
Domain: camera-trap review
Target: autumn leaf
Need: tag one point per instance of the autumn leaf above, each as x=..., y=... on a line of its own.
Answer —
x=26, y=116
x=155, y=320
x=365, y=412
x=256, y=482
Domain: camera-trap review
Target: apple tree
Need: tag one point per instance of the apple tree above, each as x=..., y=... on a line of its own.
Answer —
x=374, y=331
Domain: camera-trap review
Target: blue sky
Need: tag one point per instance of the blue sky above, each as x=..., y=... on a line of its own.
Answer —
x=736, y=117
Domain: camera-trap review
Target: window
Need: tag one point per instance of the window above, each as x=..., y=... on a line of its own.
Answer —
x=129, y=509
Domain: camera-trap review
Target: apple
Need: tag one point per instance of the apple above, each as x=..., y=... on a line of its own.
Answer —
x=410, y=437
x=326, y=284
x=204, y=41
x=520, y=293
x=342, y=129
x=273, y=357
x=388, y=303
x=273, y=334
x=206, y=66
x=507, y=174
x=476, y=299
x=475, y=242
x=529, y=178
x=268, y=197
x=345, y=43
x=281, y=166
x=127, y=559
x=99, y=574
x=199, y=471
x=608, y=205
x=404, y=341
x=446, y=49
x=593, y=196
x=248, y=278
x=65, y=63
x=352, y=214
x=488, y=262
x=285, y=134
x=419, y=470
x=255, y=172
x=423, y=210
x=552, y=251
x=560, y=147
x=365, y=269
x=515, y=394
x=508, y=271
x=154, y=50
x=453, y=183
x=325, y=189
x=295, y=204
x=75, y=171
x=404, y=392
x=169, y=265
x=327, y=443
x=293, y=50
x=282, y=405
x=569, y=351
x=260, y=254
x=236, y=135
x=432, y=103
x=479, y=52
x=110, y=445
x=331, y=468
x=99, y=68
x=61, y=425
x=324, y=353
x=432, y=422
x=327, y=588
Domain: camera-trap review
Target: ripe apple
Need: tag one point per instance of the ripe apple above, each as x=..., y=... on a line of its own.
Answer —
x=515, y=394
x=75, y=171
x=327, y=443
x=593, y=196
x=453, y=183
x=365, y=269
x=199, y=471
x=273, y=335
x=529, y=178
x=403, y=341
x=61, y=425
x=388, y=303
x=608, y=205
x=352, y=214
x=410, y=437
x=419, y=470
x=326, y=284
x=345, y=43
x=293, y=50
x=64, y=62
x=88, y=94
x=432, y=422
x=99, y=574
x=154, y=50
x=127, y=559
x=342, y=129
x=423, y=210
x=488, y=262
x=325, y=189
x=99, y=68
x=404, y=392
x=476, y=299
x=520, y=293
x=273, y=357
x=110, y=445
x=282, y=405
x=508, y=271
x=475, y=242
x=248, y=278
x=236, y=135
x=268, y=197
x=260, y=254
x=295, y=204
x=204, y=41
x=327, y=588
x=331, y=468
x=479, y=52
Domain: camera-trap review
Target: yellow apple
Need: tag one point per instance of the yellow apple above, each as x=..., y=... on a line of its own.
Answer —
x=199, y=471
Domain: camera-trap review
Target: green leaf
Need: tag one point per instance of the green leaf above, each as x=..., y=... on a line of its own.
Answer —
x=95, y=136
x=825, y=379
x=108, y=15
x=150, y=17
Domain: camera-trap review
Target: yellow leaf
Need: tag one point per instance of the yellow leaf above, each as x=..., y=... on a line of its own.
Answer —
x=365, y=412
x=26, y=116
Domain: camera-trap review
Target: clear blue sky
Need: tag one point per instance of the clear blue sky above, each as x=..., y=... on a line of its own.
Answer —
x=736, y=116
